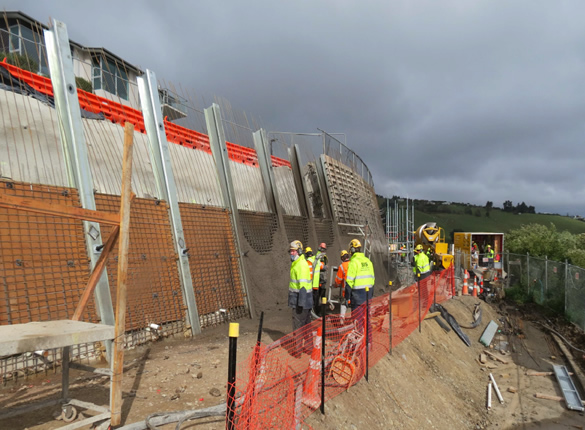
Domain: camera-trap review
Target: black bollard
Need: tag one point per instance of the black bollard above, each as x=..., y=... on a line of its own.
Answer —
x=390, y=316
x=234, y=332
x=323, y=308
x=419, y=304
x=367, y=334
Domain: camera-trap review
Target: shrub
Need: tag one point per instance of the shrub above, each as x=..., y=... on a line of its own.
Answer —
x=83, y=84
x=21, y=61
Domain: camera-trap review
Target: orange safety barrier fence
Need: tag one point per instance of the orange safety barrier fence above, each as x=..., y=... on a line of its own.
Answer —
x=279, y=385
x=120, y=114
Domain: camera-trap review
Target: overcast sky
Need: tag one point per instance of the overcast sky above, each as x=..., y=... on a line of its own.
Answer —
x=465, y=100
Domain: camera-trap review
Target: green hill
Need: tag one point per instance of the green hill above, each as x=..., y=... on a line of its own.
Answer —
x=458, y=217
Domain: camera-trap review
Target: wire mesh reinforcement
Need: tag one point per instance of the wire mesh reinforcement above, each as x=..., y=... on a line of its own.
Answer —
x=279, y=385
x=214, y=264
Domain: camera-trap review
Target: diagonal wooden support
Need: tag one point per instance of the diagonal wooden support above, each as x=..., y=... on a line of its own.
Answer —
x=12, y=202
x=96, y=274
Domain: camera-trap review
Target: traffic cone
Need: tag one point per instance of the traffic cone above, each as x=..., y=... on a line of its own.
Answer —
x=311, y=396
x=474, y=292
x=465, y=291
x=481, y=285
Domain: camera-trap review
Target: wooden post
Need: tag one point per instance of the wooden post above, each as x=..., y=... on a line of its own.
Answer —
x=118, y=354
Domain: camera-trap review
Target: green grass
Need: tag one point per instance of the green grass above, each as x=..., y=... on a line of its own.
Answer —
x=497, y=222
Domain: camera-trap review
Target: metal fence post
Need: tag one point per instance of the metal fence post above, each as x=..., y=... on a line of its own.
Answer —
x=528, y=271
x=76, y=155
x=566, y=284
x=508, y=276
x=220, y=156
x=545, y=273
x=165, y=183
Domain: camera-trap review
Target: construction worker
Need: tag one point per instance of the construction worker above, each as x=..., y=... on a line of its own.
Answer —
x=474, y=255
x=360, y=274
x=300, y=298
x=490, y=256
x=310, y=258
x=299, y=289
x=319, y=277
x=420, y=263
x=403, y=253
x=342, y=270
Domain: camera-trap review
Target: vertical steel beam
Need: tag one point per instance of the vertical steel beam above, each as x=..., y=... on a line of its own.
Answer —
x=165, y=183
x=267, y=172
x=325, y=196
x=295, y=161
x=224, y=174
x=75, y=150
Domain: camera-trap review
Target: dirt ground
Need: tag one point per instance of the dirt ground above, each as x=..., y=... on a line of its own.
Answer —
x=431, y=380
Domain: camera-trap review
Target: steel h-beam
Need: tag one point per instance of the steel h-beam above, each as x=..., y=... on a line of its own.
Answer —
x=76, y=155
x=220, y=156
x=267, y=172
x=166, y=187
x=306, y=210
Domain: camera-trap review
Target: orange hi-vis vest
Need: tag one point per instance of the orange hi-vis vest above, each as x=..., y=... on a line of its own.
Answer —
x=341, y=274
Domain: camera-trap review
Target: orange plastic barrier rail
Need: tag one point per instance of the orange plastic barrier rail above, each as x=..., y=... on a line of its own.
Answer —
x=279, y=385
x=119, y=114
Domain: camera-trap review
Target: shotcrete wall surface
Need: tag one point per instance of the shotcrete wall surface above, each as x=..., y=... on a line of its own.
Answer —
x=44, y=266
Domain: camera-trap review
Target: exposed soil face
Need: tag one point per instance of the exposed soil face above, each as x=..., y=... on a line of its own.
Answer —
x=431, y=380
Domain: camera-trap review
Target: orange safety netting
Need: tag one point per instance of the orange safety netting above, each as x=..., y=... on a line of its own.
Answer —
x=279, y=385
x=120, y=114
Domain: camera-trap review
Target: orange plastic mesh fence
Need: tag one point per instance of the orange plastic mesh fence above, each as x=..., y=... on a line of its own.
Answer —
x=279, y=385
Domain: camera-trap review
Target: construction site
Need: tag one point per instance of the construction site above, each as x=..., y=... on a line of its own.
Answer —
x=144, y=272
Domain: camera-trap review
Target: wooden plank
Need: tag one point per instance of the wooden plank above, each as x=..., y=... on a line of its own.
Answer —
x=549, y=397
x=96, y=274
x=46, y=208
x=495, y=357
x=34, y=336
x=121, y=296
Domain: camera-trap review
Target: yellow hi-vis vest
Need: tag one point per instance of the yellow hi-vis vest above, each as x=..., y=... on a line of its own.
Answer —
x=421, y=261
x=360, y=272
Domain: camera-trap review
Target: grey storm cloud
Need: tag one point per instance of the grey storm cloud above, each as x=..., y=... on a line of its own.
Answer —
x=446, y=100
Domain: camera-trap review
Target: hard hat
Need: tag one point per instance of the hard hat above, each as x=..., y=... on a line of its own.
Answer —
x=418, y=247
x=489, y=246
x=355, y=244
x=296, y=245
x=323, y=246
x=344, y=253
x=308, y=249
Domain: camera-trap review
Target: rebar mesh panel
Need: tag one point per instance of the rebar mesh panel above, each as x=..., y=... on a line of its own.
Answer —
x=353, y=200
x=153, y=287
x=43, y=262
x=285, y=185
x=214, y=263
x=195, y=176
x=297, y=228
x=259, y=229
x=324, y=230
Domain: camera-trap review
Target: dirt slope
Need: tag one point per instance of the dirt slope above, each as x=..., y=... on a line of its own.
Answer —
x=431, y=380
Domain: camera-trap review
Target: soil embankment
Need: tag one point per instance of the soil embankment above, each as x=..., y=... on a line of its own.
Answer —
x=432, y=380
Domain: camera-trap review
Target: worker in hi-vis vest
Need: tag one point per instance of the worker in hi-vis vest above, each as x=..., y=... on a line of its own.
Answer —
x=360, y=274
x=340, y=280
x=300, y=297
x=420, y=262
